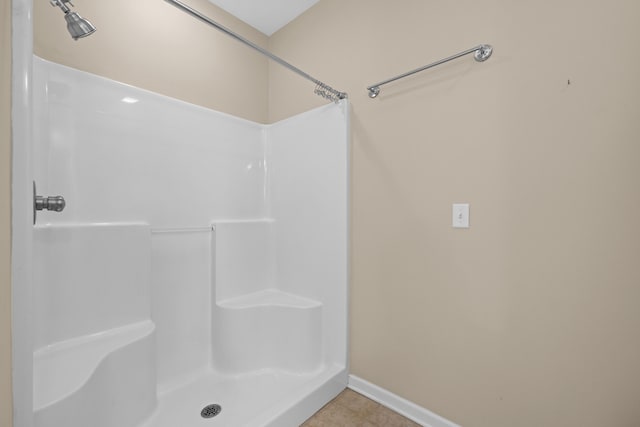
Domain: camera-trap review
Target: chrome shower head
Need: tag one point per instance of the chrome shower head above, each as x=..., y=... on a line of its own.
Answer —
x=77, y=26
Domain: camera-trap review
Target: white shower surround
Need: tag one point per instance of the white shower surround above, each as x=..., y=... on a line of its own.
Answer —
x=201, y=258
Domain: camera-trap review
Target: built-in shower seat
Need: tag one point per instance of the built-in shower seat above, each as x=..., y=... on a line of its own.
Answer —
x=269, y=329
x=74, y=379
x=255, y=324
x=63, y=368
x=94, y=340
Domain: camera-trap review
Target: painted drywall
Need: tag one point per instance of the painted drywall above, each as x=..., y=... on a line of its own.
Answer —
x=5, y=214
x=530, y=317
x=152, y=45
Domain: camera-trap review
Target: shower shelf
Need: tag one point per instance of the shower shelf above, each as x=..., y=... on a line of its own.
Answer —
x=269, y=298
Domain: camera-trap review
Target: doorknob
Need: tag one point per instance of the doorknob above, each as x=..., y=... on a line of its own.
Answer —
x=50, y=203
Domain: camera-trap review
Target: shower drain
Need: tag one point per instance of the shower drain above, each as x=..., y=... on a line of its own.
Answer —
x=211, y=411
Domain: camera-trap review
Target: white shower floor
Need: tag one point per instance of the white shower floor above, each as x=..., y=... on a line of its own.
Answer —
x=251, y=400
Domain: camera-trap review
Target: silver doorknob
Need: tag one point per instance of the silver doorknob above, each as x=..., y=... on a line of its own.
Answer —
x=51, y=203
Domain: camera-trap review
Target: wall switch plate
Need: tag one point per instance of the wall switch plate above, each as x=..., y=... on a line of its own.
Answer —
x=460, y=215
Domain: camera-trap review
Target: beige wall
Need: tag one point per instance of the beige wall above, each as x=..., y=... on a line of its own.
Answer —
x=5, y=213
x=152, y=45
x=530, y=317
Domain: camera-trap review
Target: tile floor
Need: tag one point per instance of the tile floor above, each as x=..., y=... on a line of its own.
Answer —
x=353, y=409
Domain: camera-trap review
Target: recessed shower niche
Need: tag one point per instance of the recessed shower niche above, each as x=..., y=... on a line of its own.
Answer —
x=201, y=259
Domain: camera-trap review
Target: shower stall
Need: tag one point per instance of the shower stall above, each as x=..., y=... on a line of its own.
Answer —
x=198, y=272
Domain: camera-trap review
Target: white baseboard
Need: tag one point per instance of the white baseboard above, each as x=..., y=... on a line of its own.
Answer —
x=396, y=403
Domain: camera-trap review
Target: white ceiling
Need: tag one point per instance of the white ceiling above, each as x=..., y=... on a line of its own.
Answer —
x=267, y=16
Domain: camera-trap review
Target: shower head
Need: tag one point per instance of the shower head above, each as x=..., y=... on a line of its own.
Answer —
x=77, y=26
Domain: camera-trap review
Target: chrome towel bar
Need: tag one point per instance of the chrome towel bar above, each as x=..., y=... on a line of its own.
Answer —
x=481, y=54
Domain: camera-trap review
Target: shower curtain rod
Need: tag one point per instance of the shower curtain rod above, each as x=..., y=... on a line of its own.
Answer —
x=322, y=89
x=481, y=54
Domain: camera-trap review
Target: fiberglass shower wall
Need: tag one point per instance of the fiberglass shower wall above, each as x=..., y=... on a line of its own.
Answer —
x=212, y=243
